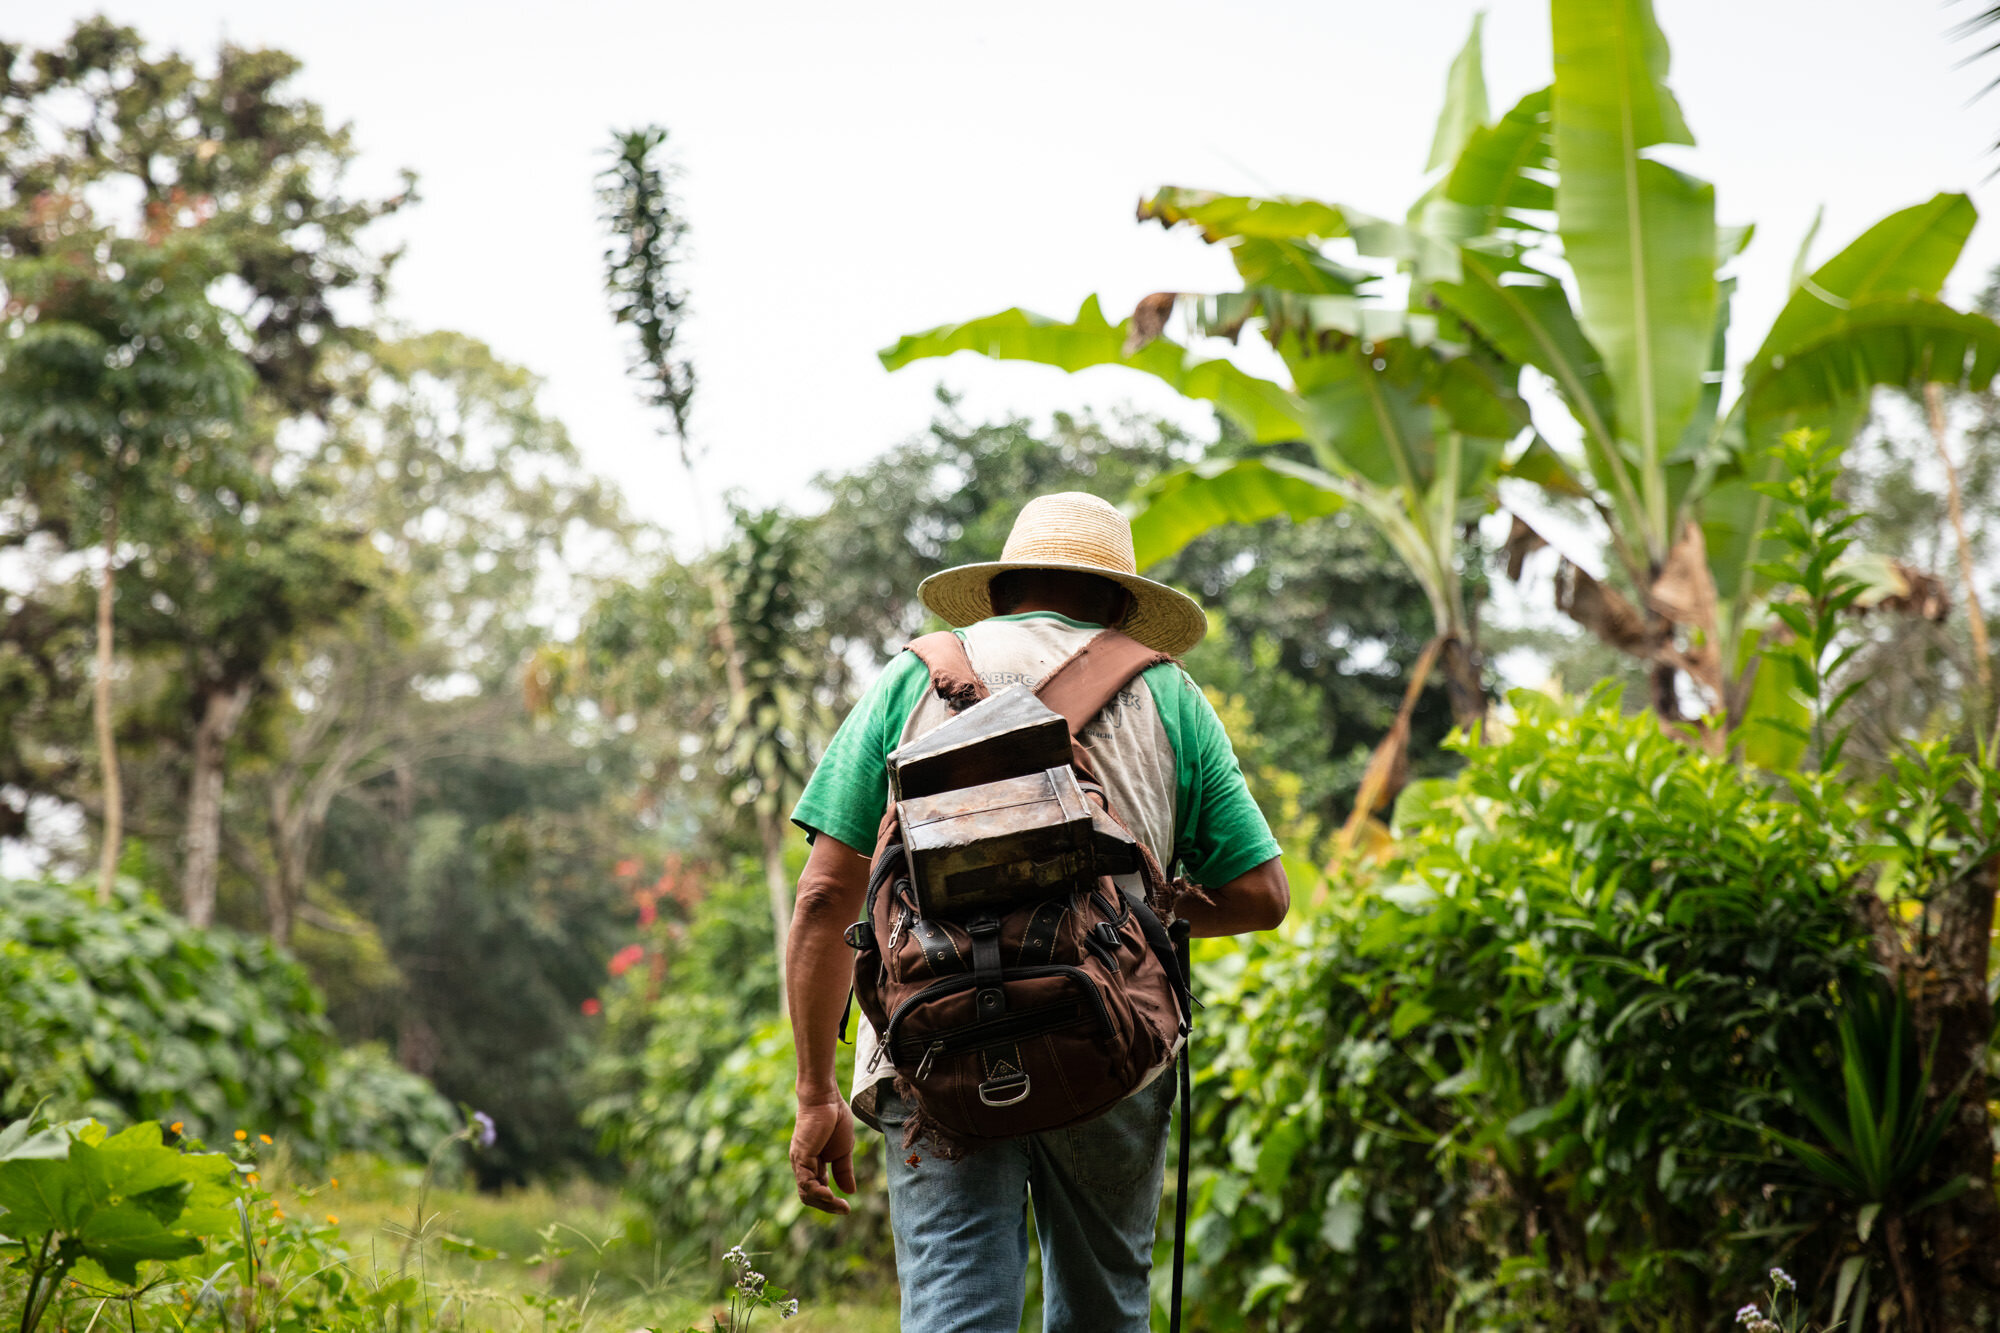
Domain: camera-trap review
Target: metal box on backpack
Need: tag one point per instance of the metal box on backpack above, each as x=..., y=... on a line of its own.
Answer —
x=1006, y=735
x=998, y=843
x=992, y=813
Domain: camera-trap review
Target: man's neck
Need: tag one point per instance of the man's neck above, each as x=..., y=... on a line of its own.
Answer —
x=1068, y=610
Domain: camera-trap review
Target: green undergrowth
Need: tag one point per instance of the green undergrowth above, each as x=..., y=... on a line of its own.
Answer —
x=150, y=1232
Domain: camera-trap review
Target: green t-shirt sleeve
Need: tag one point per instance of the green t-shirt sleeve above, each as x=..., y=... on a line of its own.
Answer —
x=849, y=791
x=1219, y=831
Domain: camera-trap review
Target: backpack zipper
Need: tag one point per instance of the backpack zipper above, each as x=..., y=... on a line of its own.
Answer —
x=949, y=985
x=993, y=1031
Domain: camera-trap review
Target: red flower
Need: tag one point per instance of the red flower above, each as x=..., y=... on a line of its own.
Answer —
x=624, y=959
x=648, y=913
x=626, y=869
x=593, y=1006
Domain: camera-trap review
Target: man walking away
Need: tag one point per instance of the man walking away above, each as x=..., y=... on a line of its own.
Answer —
x=1166, y=767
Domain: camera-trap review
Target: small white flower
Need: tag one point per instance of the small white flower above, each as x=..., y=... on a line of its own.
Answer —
x=1748, y=1313
x=788, y=1309
x=1783, y=1280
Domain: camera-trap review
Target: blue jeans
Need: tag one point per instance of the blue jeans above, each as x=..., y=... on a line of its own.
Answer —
x=962, y=1229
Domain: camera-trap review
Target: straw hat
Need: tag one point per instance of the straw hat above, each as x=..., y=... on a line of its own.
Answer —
x=1075, y=531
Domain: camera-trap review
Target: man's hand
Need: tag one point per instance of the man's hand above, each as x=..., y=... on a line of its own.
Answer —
x=824, y=1137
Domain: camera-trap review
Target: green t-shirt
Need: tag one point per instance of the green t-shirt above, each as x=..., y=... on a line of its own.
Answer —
x=1219, y=833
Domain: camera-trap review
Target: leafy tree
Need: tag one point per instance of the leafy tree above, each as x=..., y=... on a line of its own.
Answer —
x=230, y=152
x=118, y=388
x=477, y=512
x=230, y=158
x=779, y=715
x=440, y=859
x=234, y=597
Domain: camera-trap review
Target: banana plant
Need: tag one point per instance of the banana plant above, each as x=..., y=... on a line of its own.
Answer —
x=1407, y=427
x=1628, y=318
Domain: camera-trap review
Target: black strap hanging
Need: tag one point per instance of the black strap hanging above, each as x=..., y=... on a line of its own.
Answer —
x=1179, y=932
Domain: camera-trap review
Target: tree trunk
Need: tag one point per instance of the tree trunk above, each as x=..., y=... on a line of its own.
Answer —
x=1982, y=652
x=1894, y=1235
x=291, y=844
x=107, y=740
x=1464, y=680
x=221, y=711
x=1960, y=1239
x=771, y=830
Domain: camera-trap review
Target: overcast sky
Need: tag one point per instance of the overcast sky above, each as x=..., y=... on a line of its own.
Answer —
x=855, y=172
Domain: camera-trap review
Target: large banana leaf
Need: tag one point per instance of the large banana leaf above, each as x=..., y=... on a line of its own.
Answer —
x=1504, y=171
x=1265, y=410
x=1909, y=252
x=1221, y=216
x=1293, y=266
x=1704, y=447
x=1525, y=315
x=1639, y=235
x=1839, y=335
x=1234, y=218
x=1896, y=341
x=1192, y=501
x=1464, y=101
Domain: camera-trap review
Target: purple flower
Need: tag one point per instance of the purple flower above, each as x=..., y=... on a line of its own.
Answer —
x=483, y=1132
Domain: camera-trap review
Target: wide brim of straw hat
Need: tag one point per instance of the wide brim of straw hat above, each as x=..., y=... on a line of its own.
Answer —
x=1162, y=618
x=1080, y=533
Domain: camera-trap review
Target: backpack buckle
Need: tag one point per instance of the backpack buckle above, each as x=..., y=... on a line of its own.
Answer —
x=1005, y=1089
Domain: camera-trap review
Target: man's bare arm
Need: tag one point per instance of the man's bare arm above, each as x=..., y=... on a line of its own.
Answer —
x=819, y=967
x=1257, y=899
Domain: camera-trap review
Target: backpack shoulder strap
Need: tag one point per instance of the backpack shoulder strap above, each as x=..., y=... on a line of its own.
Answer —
x=952, y=675
x=1091, y=677
x=1079, y=688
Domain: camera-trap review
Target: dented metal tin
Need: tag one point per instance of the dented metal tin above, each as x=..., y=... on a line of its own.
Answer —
x=999, y=843
x=1006, y=735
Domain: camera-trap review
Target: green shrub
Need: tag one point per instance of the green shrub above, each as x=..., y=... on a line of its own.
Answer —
x=127, y=1231
x=695, y=1096
x=126, y=1013
x=1506, y=1082
x=373, y=1105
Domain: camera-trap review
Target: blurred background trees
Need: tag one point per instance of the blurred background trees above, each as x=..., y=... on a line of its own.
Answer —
x=405, y=767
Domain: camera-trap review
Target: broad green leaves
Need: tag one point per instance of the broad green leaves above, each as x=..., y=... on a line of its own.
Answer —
x=1505, y=169
x=1262, y=408
x=117, y=1200
x=1899, y=341
x=1183, y=505
x=1464, y=102
x=1639, y=235
x=1219, y=217
x=1908, y=253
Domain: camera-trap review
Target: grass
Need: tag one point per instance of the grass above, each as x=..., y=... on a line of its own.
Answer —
x=569, y=1239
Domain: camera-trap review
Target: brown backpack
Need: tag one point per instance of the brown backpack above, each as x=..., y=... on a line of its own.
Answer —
x=1011, y=1020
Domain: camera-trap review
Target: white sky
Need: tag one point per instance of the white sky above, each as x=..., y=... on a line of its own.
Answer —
x=855, y=172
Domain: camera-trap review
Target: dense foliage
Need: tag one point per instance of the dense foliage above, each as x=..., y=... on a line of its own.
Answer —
x=1580, y=972
x=694, y=1077
x=128, y=1013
